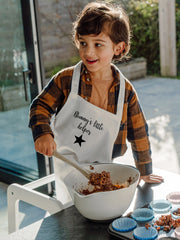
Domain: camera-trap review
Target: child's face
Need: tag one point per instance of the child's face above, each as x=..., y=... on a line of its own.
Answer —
x=97, y=51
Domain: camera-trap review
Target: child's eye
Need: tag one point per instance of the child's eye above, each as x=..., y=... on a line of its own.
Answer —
x=83, y=44
x=98, y=45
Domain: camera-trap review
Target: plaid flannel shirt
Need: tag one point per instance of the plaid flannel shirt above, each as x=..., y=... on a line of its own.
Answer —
x=133, y=124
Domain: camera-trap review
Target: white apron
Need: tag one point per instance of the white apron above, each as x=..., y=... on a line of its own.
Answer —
x=84, y=132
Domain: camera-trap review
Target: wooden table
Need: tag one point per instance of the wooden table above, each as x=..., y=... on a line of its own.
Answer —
x=69, y=224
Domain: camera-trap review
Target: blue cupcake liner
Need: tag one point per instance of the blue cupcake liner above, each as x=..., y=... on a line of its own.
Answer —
x=124, y=224
x=143, y=215
x=142, y=233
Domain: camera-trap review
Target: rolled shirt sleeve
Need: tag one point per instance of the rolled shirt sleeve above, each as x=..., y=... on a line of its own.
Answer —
x=137, y=135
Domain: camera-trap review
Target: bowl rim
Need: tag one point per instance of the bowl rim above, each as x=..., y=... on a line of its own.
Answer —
x=107, y=192
x=73, y=187
x=103, y=192
x=174, y=208
x=109, y=163
x=169, y=197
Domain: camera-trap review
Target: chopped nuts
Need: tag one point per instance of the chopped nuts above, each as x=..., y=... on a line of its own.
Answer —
x=147, y=225
x=91, y=167
x=167, y=222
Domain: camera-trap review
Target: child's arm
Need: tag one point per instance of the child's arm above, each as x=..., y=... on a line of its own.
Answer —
x=41, y=111
x=48, y=102
x=139, y=138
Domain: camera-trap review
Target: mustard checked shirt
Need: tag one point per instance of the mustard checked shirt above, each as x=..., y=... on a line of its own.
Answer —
x=133, y=124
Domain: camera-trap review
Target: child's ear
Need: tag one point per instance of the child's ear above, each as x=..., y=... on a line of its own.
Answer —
x=119, y=48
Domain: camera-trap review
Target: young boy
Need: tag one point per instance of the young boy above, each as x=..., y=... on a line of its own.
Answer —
x=96, y=108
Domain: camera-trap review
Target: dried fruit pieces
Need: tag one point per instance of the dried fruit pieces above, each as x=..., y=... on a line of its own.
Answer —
x=102, y=182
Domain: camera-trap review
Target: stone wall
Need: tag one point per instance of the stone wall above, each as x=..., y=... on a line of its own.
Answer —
x=56, y=18
x=134, y=69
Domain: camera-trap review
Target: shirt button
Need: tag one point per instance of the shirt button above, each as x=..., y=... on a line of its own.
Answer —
x=86, y=72
x=86, y=98
x=88, y=79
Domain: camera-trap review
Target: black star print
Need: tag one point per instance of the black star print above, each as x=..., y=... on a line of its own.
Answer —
x=79, y=140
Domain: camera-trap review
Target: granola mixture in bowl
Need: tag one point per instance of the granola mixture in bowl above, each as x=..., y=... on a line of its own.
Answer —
x=104, y=205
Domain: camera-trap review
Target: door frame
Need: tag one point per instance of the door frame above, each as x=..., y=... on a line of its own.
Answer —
x=32, y=36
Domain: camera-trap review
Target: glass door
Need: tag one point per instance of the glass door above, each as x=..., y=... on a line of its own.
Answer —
x=21, y=72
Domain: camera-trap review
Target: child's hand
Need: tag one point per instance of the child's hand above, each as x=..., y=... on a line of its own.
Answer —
x=45, y=145
x=151, y=178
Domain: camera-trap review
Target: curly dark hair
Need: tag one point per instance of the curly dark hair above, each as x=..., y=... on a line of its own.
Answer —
x=93, y=19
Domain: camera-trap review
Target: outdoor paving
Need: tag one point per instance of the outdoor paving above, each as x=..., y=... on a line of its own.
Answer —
x=160, y=98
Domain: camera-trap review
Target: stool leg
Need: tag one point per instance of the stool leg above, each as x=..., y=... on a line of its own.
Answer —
x=13, y=210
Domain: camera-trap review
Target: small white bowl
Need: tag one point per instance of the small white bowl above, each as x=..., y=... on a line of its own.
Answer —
x=160, y=206
x=174, y=197
x=172, y=212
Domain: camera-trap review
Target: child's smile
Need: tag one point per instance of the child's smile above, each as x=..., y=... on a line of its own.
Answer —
x=91, y=61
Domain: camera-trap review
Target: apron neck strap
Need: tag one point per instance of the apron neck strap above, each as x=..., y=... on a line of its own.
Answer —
x=75, y=86
x=76, y=78
x=120, y=102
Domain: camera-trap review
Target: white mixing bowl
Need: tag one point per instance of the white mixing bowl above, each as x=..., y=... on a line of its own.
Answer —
x=103, y=205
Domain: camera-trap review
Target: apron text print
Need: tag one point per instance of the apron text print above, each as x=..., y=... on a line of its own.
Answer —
x=86, y=124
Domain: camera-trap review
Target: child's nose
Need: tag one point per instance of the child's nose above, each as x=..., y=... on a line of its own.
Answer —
x=89, y=51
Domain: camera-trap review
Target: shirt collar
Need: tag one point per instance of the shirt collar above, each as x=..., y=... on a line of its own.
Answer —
x=116, y=75
x=84, y=69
